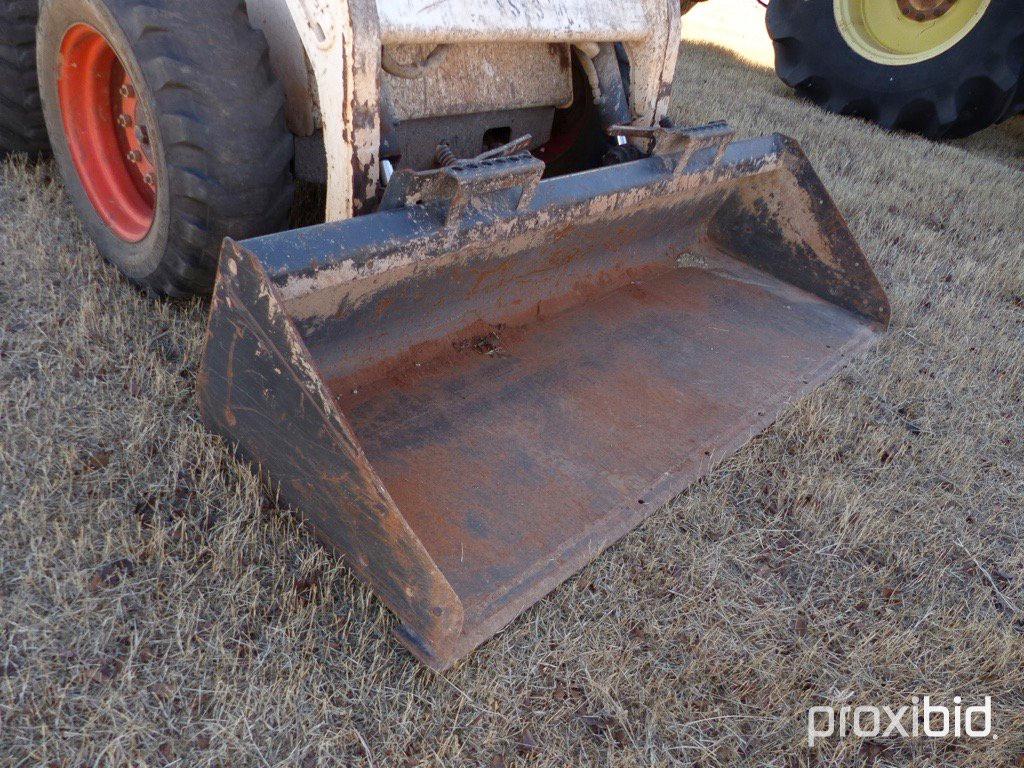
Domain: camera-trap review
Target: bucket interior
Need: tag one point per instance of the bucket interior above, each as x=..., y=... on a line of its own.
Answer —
x=515, y=449
x=469, y=402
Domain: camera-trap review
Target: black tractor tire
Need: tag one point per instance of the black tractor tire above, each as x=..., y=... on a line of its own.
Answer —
x=970, y=86
x=221, y=150
x=21, y=115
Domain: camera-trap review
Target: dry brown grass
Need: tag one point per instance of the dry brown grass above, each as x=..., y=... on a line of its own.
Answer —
x=157, y=608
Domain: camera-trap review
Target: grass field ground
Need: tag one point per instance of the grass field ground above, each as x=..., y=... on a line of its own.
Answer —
x=157, y=608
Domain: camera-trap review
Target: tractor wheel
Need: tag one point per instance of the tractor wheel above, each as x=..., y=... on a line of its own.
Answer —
x=168, y=127
x=941, y=68
x=21, y=116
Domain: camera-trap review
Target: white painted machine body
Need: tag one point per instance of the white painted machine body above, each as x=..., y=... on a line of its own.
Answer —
x=504, y=54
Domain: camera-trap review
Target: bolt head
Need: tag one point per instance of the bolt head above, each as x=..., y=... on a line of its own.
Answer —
x=126, y=91
x=124, y=120
x=134, y=156
x=150, y=180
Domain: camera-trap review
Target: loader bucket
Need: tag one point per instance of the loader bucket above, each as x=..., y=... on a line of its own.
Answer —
x=473, y=391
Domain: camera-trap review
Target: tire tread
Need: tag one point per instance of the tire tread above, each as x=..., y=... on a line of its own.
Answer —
x=22, y=128
x=220, y=116
x=986, y=91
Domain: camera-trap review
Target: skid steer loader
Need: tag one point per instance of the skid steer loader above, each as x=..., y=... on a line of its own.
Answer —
x=535, y=309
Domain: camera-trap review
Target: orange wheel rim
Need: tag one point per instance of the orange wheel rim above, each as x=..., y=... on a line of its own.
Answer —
x=107, y=133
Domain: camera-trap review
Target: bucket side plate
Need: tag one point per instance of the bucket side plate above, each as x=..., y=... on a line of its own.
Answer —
x=259, y=387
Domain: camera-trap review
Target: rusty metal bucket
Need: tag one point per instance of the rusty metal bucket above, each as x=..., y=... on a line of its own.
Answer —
x=473, y=392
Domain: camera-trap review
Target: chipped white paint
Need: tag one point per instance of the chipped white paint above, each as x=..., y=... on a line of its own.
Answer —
x=288, y=59
x=315, y=83
x=416, y=21
x=320, y=20
x=653, y=61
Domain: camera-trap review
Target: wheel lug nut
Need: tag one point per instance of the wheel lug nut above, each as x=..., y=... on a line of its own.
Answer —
x=124, y=121
x=126, y=91
x=134, y=156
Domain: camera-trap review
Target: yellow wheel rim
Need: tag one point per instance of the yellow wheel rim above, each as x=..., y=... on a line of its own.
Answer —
x=880, y=30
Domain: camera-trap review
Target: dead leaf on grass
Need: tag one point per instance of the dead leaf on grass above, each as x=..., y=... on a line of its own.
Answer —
x=111, y=574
